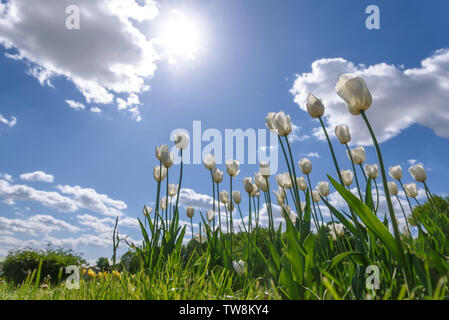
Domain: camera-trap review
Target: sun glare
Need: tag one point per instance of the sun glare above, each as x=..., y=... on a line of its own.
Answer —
x=181, y=36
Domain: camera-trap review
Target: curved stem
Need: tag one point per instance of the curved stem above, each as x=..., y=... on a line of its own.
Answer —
x=377, y=196
x=332, y=151
x=179, y=187
x=314, y=216
x=405, y=216
x=355, y=172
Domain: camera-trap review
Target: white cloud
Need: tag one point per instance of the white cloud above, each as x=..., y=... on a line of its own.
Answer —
x=95, y=110
x=296, y=135
x=10, y=123
x=75, y=105
x=37, y=176
x=107, y=56
x=34, y=225
x=311, y=155
x=401, y=97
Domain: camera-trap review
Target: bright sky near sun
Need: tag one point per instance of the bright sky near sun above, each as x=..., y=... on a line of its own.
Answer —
x=82, y=110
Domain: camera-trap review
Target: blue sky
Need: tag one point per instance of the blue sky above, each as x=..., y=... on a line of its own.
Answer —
x=253, y=58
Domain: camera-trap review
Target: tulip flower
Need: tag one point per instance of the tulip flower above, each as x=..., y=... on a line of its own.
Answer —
x=285, y=210
x=167, y=158
x=261, y=182
x=230, y=207
x=293, y=217
x=358, y=155
x=160, y=149
x=336, y=229
x=323, y=188
x=418, y=173
x=248, y=184
x=316, y=196
x=283, y=124
x=190, y=212
x=181, y=140
x=347, y=176
x=305, y=165
x=393, y=188
x=239, y=266
x=270, y=123
x=159, y=173
x=217, y=175
x=224, y=196
x=302, y=184
x=163, y=203
x=264, y=169
x=255, y=192
x=343, y=134
x=210, y=214
x=237, y=197
x=232, y=167
x=147, y=210
x=371, y=171
x=354, y=92
x=172, y=189
x=411, y=190
x=200, y=238
x=209, y=162
x=395, y=172
x=314, y=106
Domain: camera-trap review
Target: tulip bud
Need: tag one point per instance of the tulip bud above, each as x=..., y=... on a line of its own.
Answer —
x=305, y=165
x=237, y=197
x=217, y=175
x=147, y=210
x=283, y=123
x=200, y=239
x=160, y=149
x=239, y=266
x=395, y=172
x=172, y=189
x=181, y=140
x=159, y=173
x=336, y=229
x=347, y=176
x=285, y=210
x=293, y=217
x=255, y=191
x=393, y=188
x=316, y=196
x=230, y=206
x=372, y=171
x=302, y=184
x=411, y=190
x=261, y=182
x=358, y=155
x=285, y=181
x=209, y=162
x=270, y=123
x=190, y=212
x=224, y=196
x=418, y=172
x=164, y=203
x=302, y=206
x=264, y=169
x=248, y=184
x=167, y=158
x=314, y=106
x=210, y=214
x=354, y=92
x=232, y=167
x=342, y=133
x=323, y=188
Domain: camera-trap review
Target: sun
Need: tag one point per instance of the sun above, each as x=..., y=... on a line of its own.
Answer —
x=181, y=36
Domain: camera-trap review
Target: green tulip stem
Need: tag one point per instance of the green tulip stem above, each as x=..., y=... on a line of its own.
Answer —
x=355, y=172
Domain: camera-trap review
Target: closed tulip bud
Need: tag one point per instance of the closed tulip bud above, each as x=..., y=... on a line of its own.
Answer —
x=293, y=217
x=264, y=169
x=164, y=203
x=210, y=214
x=418, y=172
x=286, y=181
x=160, y=149
x=255, y=191
x=316, y=196
x=358, y=155
x=279, y=200
x=393, y=188
x=283, y=123
x=190, y=212
x=172, y=189
x=181, y=140
x=354, y=92
x=232, y=167
x=200, y=238
x=270, y=123
x=314, y=106
x=347, y=176
x=237, y=197
x=411, y=190
x=302, y=184
x=305, y=165
x=323, y=188
x=395, y=172
x=248, y=184
x=285, y=210
x=302, y=205
x=167, y=158
x=261, y=182
x=217, y=175
x=209, y=162
x=239, y=266
x=336, y=229
x=230, y=206
x=224, y=196
x=159, y=173
x=371, y=170
x=147, y=210
x=342, y=133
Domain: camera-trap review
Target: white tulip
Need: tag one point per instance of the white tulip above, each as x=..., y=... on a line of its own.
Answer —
x=210, y=214
x=248, y=184
x=167, y=158
x=342, y=133
x=264, y=169
x=293, y=217
x=314, y=106
x=261, y=182
x=160, y=149
x=418, y=172
x=232, y=167
x=201, y=239
x=237, y=197
x=239, y=266
x=255, y=191
x=323, y=188
x=302, y=184
x=270, y=123
x=395, y=172
x=190, y=212
x=358, y=155
x=224, y=196
x=354, y=92
x=283, y=123
x=393, y=188
x=217, y=175
x=164, y=203
x=159, y=173
x=316, y=196
x=371, y=170
x=172, y=190
x=336, y=229
x=411, y=190
x=147, y=210
x=230, y=206
x=285, y=210
x=209, y=162
x=181, y=140
x=347, y=176
x=305, y=165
